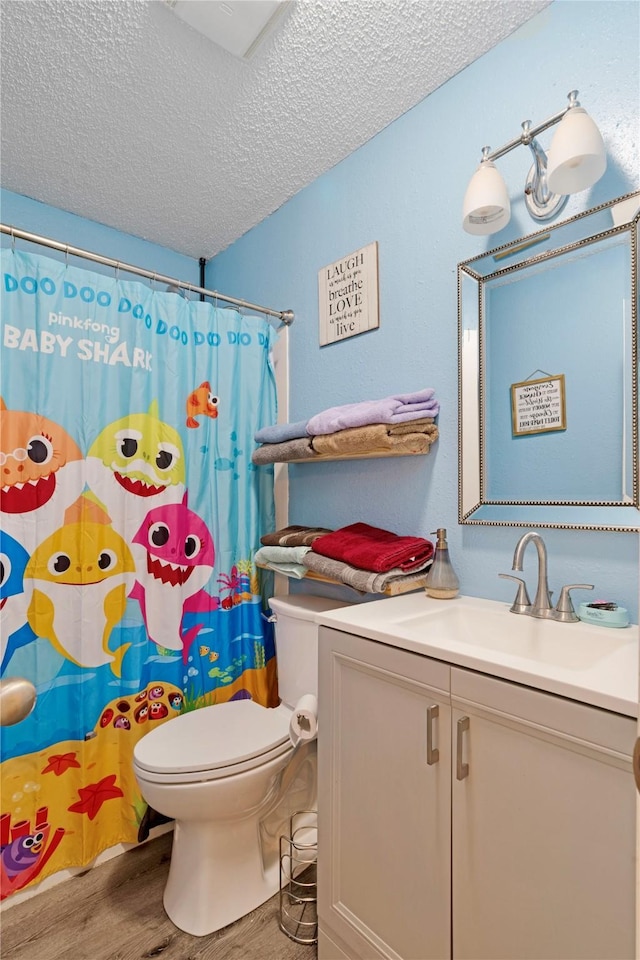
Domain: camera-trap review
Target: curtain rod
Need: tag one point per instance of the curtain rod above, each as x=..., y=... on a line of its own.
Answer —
x=286, y=316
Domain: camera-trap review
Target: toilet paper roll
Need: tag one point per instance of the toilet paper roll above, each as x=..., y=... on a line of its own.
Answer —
x=304, y=720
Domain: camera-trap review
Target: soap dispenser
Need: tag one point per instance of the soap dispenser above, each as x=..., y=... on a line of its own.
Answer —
x=442, y=582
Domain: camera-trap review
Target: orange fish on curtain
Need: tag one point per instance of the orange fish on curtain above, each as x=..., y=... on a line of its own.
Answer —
x=201, y=402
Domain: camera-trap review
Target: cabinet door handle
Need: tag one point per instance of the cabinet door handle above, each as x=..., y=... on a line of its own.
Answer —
x=462, y=769
x=433, y=754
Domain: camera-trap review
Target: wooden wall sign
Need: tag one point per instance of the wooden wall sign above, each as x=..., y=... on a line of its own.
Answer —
x=538, y=406
x=348, y=295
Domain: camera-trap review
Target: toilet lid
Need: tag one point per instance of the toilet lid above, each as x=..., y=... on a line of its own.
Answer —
x=224, y=735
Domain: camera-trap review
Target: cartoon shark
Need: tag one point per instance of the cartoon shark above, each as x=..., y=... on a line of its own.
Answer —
x=174, y=556
x=81, y=577
x=42, y=472
x=136, y=463
x=14, y=594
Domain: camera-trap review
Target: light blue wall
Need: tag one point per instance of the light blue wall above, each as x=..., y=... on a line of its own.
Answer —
x=34, y=217
x=404, y=189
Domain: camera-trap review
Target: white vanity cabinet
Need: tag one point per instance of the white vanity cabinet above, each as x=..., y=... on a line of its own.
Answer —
x=543, y=860
x=514, y=840
x=384, y=800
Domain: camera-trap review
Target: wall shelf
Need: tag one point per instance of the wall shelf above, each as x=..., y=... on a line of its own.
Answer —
x=393, y=590
x=370, y=455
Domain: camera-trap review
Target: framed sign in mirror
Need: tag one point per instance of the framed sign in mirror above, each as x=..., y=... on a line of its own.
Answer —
x=557, y=448
x=538, y=406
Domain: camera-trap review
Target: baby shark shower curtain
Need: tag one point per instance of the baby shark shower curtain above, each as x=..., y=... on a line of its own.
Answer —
x=130, y=512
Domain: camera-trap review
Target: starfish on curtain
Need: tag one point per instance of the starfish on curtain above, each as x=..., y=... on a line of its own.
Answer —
x=94, y=795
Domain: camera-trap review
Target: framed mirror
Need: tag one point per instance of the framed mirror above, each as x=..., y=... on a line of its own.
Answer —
x=548, y=376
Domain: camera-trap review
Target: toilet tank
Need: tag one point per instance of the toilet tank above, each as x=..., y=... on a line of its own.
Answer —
x=296, y=640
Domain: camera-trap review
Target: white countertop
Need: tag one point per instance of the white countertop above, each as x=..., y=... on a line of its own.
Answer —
x=594, y=665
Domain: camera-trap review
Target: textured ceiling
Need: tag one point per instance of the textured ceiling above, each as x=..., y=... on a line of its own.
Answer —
x=121, y=113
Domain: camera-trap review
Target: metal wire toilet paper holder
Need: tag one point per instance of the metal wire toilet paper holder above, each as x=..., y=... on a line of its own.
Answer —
x=299, y=878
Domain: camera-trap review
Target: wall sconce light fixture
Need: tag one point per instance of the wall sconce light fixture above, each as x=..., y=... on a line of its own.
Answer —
x=576, y=160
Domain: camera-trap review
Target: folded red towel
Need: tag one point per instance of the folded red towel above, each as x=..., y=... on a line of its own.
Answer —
x=371, y=548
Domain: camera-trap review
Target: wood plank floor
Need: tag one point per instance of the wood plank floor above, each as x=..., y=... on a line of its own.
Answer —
x=114, y=912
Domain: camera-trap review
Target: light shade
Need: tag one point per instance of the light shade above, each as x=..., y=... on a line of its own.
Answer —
x=486, y=208
x=577, y=157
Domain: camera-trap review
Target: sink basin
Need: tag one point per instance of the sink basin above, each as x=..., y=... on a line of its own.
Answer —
x=592, y=664
x=573, y=646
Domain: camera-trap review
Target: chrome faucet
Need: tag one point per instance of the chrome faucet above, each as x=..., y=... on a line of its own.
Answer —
x=541, y=606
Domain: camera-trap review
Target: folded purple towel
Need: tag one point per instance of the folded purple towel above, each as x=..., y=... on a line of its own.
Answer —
x=415, y=411
x=396, y=409
x=418, y=396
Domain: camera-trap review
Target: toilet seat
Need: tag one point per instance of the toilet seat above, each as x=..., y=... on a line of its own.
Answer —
x=213, y=742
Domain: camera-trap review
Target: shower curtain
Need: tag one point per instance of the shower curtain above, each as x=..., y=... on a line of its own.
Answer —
x=130, y=513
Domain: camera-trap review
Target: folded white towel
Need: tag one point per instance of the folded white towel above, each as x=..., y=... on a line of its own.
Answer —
x=286, y=560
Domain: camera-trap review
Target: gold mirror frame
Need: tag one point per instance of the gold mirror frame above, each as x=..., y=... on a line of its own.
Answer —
x=609, y=220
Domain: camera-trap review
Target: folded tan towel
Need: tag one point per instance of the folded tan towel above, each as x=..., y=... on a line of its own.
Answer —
x=294, y=535
x=366, y=581
x=375, y=438
x=412, y=426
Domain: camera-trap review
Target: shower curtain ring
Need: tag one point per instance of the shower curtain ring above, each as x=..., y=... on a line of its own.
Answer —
x=13, y=240
x=117, y=271
x=66, y=255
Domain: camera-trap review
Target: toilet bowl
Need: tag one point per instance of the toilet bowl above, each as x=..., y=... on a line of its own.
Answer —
x=219, y=773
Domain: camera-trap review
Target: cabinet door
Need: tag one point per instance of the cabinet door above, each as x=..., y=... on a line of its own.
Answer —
x=384, y=800
x=543, y=851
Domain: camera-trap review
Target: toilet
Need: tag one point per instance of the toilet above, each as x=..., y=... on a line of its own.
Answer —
x=223, y=772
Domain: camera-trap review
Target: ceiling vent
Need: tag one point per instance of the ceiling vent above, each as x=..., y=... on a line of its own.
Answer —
x=238, y=26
